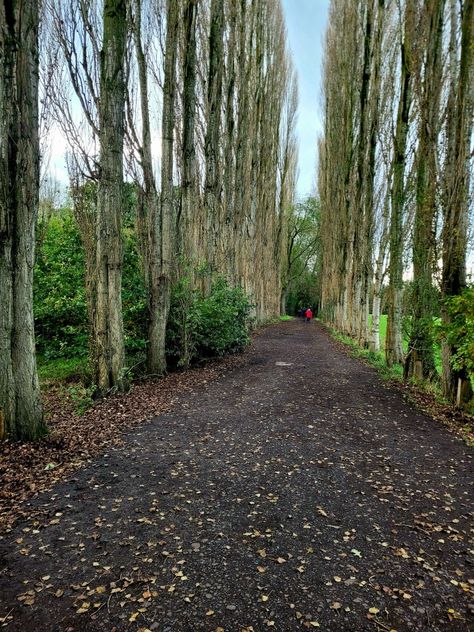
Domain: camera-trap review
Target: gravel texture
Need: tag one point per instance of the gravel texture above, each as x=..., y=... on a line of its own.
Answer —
x=291, y=490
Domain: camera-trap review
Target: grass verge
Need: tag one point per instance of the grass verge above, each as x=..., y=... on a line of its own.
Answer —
x=425, y=396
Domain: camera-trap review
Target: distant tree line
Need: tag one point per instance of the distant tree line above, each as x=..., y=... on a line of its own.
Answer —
x=395, y=178
x=194, y=102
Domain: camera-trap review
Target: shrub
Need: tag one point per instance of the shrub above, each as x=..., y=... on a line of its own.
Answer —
x=222, y=320
x=61, y=322
x=201, y=327
x=59, y=296
x=459, y=329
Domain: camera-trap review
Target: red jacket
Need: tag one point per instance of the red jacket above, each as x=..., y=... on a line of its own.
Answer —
x=309, y=313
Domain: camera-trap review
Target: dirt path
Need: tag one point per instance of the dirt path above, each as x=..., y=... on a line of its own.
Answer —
x=280, y=496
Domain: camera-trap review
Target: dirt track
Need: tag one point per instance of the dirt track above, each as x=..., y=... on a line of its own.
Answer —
x=279, y=496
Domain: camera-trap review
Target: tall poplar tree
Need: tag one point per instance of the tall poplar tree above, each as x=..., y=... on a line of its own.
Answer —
x=20, y=403
x=420, y=358
x=457, y=174
x=394, y=340
x=109, y=353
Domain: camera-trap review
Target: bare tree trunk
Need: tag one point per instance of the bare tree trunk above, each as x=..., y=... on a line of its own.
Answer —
x=84, y=199
x=20, y=402
x=421, y=339
x=109, y=348
x=188, y=217
x=148, y=210
x=394, y=339
x=287, y=169
x=213, y=184
x=378, y=278
x=167, y=214
x=228, y=253
x=457, y=176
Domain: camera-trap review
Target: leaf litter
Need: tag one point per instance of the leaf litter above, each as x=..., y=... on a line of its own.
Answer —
x=230, y=511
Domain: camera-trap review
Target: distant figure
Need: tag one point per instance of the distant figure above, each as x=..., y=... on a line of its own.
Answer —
x=308, y=314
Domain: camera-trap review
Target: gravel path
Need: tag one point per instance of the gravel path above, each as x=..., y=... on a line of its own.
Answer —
x=293, y=492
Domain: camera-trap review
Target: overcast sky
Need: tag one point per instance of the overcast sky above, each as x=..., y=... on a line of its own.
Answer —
x=306, y=25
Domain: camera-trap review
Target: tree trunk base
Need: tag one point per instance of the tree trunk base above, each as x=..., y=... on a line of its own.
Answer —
x=464, y=392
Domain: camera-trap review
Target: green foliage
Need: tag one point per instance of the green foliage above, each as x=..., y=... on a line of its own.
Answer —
x=202, y=326
x=458, y=329
x=383, y=335
x=59, y=296
x=222, y=320
x=301, y=278
x=64, y=369
x=81, y=396
x=61, y=323
x=134, y=301
x=375, y=358
x=181, y=332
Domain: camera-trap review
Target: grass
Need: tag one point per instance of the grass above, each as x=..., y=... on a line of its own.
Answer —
x=375, y=358
x=395, y=373
x=68, y=378
x=383, y=335
x=285, y=317
x=62, y=369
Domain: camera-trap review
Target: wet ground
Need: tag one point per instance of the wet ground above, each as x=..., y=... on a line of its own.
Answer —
x=295, y=491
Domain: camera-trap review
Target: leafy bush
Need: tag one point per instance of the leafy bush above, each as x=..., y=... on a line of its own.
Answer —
x=59, y=296
x=181, y=330
x=459, y=329
x=61, y=322
x=222, y=320
x=202, y=327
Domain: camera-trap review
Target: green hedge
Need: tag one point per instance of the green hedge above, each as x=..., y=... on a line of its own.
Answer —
x=200, y=326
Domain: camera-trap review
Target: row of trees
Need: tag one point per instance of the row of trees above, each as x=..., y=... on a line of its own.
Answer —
x=394, y=172
x=195, y=103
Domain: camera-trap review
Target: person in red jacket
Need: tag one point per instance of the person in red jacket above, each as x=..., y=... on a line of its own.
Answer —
x=308, y=314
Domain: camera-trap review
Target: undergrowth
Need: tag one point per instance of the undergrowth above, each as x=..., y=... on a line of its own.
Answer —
x=425, y=395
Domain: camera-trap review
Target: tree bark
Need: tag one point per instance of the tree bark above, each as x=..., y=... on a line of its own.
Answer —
x=421, y=338
x=394, y=339
x=167, y=213
x=213, y=184
x=456, y=384
x=109, y=346
x=148, y=211
x=20, y=402
x=188, y=239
